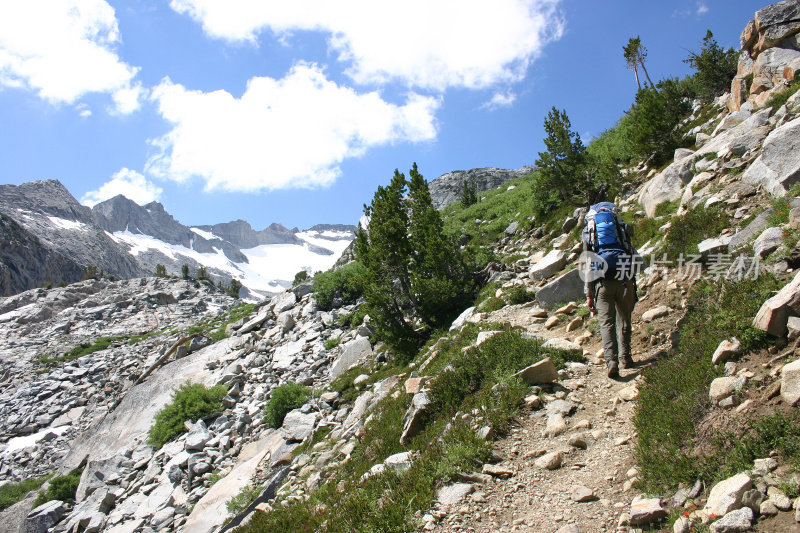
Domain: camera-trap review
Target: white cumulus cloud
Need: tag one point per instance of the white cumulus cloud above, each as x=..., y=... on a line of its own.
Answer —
x=127, y=182
x=63, y=49
x=500, y=99
x=282, y=133
x=432, y=45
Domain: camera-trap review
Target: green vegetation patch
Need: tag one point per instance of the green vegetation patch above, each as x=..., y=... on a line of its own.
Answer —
x=192, y=401
x=61, y=488
x=346, y=283
x=243, y=498
x=674, y=396
x=214, y=328
x=781, y=98
x=283, y=399
x=12, y=493
x=519, y=295
x=689, y=229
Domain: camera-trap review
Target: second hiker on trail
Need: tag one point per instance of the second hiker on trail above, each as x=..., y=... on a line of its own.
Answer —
x=610, y=281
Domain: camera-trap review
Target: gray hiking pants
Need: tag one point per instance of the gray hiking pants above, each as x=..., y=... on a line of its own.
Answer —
x=615, y=301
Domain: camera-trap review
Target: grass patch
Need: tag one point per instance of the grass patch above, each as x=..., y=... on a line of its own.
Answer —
x=689, y=229
x=519, y=295
x=283, y=399
x=332, y=343
x=781, y=212
x=644, y=228
x=780, y=99
x=192, y=401
x=12, y=493
x=667, y=208
x=319, y=436
x=60, y=488
x=214, y=328
x=245, y=497
x=674, y=396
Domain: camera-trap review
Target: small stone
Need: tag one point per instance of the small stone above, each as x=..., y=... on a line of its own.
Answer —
x=762, y=467
x=555, y=425
x=655, y=313
x=767, y=508
x=583, y=494
x=550, y=461
x=578, y=441
x=726, y=495
x=629, y=393
x=727, y=349
x=646, y=511
x=551, y=322
x=682, y=525
x=569, y=528
x=777, y=497
x=497, y=471
x=738, y=520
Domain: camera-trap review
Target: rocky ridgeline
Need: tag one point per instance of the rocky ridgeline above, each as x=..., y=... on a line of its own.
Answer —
x=447, y=188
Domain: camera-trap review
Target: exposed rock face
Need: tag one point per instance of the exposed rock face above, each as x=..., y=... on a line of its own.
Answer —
x=242, y=235
x=25, y=263
x=49, y=212
x=778, y=166
x=447, y=188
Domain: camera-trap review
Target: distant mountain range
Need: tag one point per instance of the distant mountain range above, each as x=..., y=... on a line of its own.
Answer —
x=47, y=237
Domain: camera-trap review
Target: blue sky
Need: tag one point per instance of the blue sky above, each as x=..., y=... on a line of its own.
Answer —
x=294, y=112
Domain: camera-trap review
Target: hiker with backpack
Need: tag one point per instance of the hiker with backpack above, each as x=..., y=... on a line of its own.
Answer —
x=611, y=282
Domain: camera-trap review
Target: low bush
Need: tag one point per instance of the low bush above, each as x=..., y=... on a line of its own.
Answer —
x=689, y=229
x=12, y=493
x=345, y=283
x=332, y=343
x=243, y=498
x=61, y=488
x=674, y=398
x=519, y=295
x=283, y=399
x=192, y=401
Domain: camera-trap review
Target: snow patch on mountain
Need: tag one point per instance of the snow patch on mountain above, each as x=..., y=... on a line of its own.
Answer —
x=270, y=268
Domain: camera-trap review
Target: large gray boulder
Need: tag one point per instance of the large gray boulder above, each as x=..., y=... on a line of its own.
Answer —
x=210, y=512
x=414, y=418
x=726, y=496
x=565, y=288
x=44, y=517
x=790, y=383
x=751, y=231
x=554, y=261
x=666, y=186
x=778, y=166
x=352, y=352
x=297, y=425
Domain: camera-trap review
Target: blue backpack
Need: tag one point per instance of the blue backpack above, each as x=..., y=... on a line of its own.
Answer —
x=607, y=236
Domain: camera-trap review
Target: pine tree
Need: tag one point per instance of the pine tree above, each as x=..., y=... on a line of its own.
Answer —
x=383, y=248
x=202, y=273
x=185, y=271
x=635, y=55
x=234, y=288
x=438, y=271
x=715, y=67
x=161, y=271
x=415, y=278
x=468, y=194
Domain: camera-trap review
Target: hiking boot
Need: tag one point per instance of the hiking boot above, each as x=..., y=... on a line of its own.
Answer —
x=613, y=369
x=627, y=362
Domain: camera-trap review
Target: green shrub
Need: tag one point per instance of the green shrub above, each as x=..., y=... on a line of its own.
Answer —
x=715, y=67
x=346, y=283
x=689, y=229
x=781, y=98
x=332, y=343
x=493, y=303
x=245, y=497
x=519, y=295
x=12, y=493
x=192, y=401
x=674, y=396
x=283, y=399
x=61, y=488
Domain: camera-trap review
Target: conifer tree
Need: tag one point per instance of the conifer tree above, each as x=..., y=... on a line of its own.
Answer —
x=715, y=67
x=438, y=272
x=468, y=194
x=415, y=278
x=383, y=248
